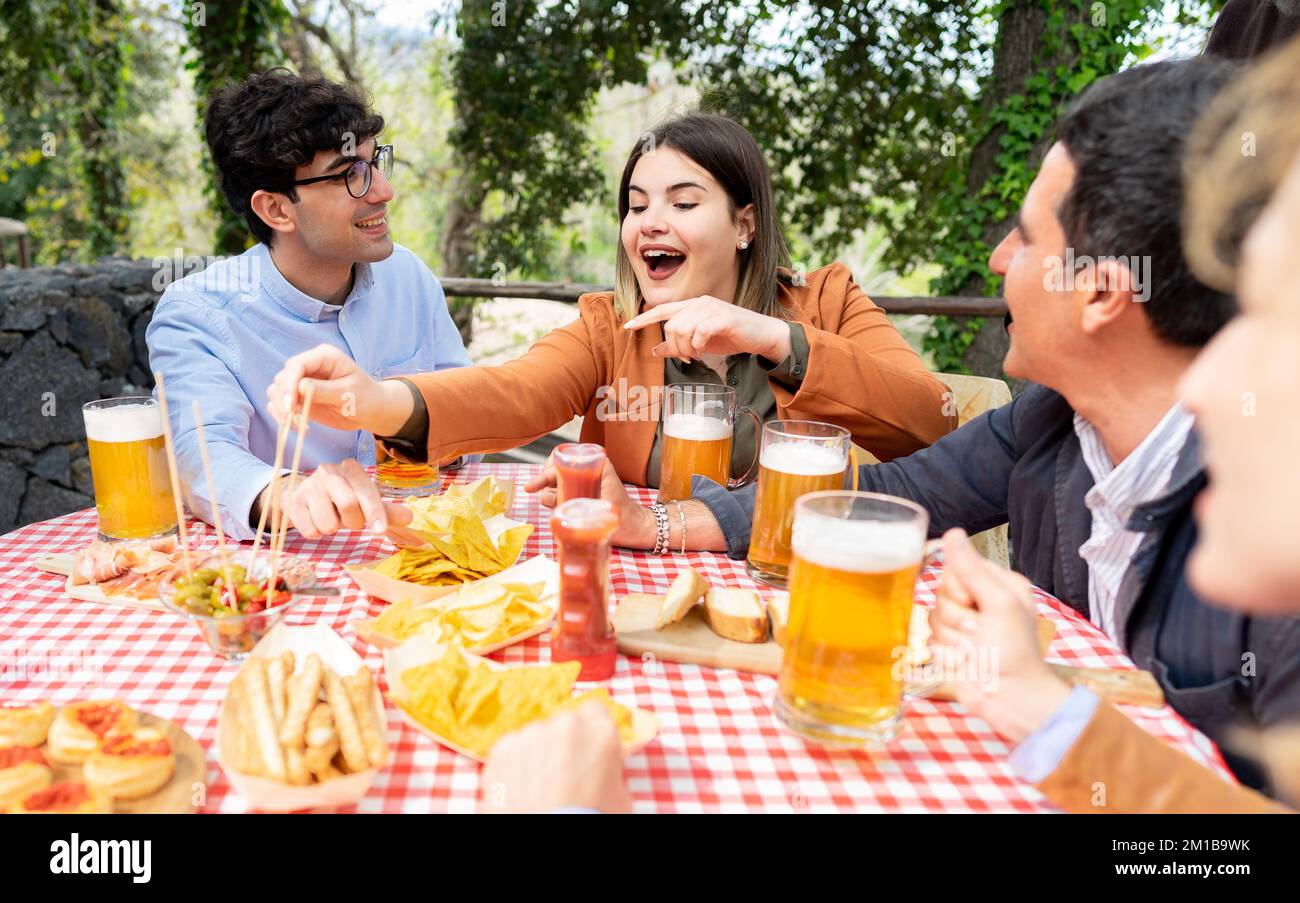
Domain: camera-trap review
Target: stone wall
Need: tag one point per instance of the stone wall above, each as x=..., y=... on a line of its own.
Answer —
x=68, y=335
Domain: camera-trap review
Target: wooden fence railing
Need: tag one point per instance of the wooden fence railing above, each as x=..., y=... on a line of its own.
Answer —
x=569, y=292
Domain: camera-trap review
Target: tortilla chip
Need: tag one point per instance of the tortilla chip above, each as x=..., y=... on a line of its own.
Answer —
x=473, y=706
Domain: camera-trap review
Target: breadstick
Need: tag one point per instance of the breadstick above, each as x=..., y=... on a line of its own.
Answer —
x=361, y=690
x=345, y=722
x=296, y=765
x=275, y=679
x=303, y=689
x=263, y=722
x=322, y=742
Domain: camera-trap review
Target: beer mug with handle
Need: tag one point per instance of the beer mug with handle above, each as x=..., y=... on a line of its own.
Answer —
x=699, y=422
x=128, y=464
x=853, y=574
x=797, y=457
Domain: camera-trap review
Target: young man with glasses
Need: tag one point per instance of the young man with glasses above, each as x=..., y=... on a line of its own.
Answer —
x=299, y=159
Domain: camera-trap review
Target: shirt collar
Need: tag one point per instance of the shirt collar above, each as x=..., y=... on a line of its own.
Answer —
x=298, y=303
x=1145, y=472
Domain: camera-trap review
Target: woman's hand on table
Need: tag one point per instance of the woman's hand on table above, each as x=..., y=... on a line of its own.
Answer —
x=571, y=761
x=708, y=325
x=636, y=525
x=344, y=396
x=983, y=621
x=339, y=497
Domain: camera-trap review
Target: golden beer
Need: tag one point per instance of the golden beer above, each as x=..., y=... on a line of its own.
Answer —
x=693, y=444
x=128, y=464
x=699, y=420
x=399, y=479
x=852, y=579
x=798, y=457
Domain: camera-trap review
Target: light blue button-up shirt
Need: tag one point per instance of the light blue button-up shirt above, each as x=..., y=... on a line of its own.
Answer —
x=221, y=335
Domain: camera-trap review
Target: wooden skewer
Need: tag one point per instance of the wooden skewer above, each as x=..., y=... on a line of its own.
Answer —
x=175, y=475
x=303, y=422
x=280, y=441
x=216, y=508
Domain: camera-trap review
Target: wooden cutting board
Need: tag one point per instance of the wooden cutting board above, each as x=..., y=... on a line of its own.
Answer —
x=176, y=797
x=690, y=641
x=86, y=592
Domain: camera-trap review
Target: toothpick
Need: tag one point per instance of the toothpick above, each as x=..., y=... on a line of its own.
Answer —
x=303, y=422
x=216, y=508
x=175, y=475
x=272, y=496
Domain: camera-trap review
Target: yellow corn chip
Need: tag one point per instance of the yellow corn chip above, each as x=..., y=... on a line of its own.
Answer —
x=481, y=615
x=473, y=706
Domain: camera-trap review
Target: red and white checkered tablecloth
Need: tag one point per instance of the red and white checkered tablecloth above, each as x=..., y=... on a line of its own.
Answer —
x=719, y=749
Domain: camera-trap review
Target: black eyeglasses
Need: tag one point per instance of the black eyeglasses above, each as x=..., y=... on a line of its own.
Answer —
x=357, y=177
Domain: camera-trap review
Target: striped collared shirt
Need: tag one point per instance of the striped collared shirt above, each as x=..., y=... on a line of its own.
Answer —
x=1118, y=491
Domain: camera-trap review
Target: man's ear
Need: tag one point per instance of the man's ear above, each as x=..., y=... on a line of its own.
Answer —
x=1110, y=289
x=745, y=223
x=274, y=210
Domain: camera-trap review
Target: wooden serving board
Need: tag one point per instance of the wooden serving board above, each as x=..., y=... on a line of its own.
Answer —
x=176, y=797
x=88, y=592
x=690, y=641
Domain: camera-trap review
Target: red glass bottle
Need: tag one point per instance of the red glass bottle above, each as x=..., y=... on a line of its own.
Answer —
x=582, y=631
x=578, y=469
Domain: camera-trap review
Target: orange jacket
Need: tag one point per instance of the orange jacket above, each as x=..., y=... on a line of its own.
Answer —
x=1117, y=767
x=861, y=375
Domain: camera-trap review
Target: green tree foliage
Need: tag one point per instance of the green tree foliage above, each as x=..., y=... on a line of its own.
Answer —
x=64, y=76
x=228, y=41
x=526, y=77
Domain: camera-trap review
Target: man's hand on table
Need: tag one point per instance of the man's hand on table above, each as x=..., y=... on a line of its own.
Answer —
x=984, y=615
x=337, y=497
x=571, y=761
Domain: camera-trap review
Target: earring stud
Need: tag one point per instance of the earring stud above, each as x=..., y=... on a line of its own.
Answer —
x=743, y=244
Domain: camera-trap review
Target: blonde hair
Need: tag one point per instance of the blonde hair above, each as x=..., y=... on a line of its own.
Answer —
x=731, y=155
x=1238, y=154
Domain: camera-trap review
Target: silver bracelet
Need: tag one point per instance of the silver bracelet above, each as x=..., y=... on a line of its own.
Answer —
x=681, y=515
x=661, y=528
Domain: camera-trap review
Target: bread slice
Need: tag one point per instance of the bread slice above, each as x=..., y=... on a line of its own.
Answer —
x=778, y=615
x=736, y=614
x=687, y=589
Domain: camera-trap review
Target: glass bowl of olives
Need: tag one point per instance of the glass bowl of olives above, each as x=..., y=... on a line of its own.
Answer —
x=232, y=622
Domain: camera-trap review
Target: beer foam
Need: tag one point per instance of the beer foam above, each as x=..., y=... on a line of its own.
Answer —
x=124, y=423
x=696, y=427
x=860, y=547
x=802, y=459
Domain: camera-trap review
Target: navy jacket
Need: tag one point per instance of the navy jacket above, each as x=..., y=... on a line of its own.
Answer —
x=1021, y=465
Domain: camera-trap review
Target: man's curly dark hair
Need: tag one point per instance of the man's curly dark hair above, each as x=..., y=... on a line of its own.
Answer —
x=261, y=129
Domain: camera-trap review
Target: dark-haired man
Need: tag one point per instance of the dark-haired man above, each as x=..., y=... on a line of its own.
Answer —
x=300, y=160
x=1096, y=468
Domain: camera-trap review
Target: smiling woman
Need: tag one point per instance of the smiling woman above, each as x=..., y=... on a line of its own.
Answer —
x=704, y=295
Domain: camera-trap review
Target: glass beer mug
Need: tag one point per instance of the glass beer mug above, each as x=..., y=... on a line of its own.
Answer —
x=128, y=464
x=699, y=421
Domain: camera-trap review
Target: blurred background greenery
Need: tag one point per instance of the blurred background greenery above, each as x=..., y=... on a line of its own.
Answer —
x=901, y=134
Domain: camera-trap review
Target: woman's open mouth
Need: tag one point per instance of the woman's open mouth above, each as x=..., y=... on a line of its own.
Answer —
x=661, y=263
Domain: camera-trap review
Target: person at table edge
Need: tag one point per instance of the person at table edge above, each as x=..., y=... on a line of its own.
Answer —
x=1087, y=756
x=702, y=296
x=324, y=269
